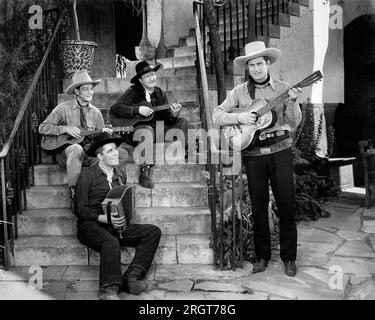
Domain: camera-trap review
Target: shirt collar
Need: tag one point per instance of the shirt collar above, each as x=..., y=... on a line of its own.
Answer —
x=99, y=172
x=270, y=83
x=76, y=105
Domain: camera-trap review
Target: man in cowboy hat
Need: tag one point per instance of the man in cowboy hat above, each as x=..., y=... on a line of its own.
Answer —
x=271, y=159
x=93, y=185
x=144, y=88
x=67, y=118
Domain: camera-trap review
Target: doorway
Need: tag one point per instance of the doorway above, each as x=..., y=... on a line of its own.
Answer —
x=128, y=27
x=359, y=60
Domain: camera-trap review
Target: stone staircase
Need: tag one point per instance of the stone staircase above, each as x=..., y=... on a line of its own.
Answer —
x=178, y=204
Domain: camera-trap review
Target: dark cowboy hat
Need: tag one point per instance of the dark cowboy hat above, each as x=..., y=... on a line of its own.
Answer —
x=142, y=68
x=100, y=140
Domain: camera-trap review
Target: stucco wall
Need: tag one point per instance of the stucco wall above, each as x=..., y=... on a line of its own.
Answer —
x=355, y=8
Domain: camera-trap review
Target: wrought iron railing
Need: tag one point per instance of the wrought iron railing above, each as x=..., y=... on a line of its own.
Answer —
x=239, y=22
x=21, y=152
x=214, y=166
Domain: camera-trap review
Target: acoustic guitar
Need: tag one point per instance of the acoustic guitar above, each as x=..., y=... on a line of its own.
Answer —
x=241, y=136
x=138, y=118
x=57, y=143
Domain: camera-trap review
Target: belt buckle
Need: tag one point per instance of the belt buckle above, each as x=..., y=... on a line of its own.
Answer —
x=266, y=150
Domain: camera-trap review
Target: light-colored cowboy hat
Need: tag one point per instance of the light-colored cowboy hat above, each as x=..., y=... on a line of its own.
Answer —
x=257, y=49
x=80, y=78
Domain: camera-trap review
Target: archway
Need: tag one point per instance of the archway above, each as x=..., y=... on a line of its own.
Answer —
x=128, y=28
x=359, y=57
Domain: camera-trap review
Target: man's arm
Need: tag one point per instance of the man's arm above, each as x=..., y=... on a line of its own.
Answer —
x=123, y=107
x=293, y=113
x=53, y=124
x=83, y=210
x=221, y=115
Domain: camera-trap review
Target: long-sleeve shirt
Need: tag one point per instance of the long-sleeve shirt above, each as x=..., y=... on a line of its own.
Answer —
x=289, y=115
x=127, y=105
x=68, y=114
x=91, y=189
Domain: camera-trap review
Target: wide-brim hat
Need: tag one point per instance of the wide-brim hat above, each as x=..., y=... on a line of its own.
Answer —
x=80, y=78
x=254, y=50
x=142, y=68
x=100, y=140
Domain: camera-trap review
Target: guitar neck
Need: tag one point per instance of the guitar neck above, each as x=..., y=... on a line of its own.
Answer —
x=314, y=77
x=273, y=104
x=115, y=129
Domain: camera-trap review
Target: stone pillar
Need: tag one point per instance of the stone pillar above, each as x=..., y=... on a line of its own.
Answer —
x=321, y=37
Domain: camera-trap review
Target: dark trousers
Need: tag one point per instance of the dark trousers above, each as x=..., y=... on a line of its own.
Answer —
x=278, y=169
x=144, y=237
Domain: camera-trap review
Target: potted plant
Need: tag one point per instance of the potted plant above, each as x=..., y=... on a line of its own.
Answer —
x=76, y=54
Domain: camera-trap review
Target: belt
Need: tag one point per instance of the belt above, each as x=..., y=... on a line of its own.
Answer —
x=273, y=134
x=258, y=151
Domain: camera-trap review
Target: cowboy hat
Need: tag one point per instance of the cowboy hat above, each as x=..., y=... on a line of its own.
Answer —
x=142, y=68
x=257, y=49
x=80, y=78
x=100, y=140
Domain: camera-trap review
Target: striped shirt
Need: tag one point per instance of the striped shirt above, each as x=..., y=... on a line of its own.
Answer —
x=68, y=114
x=289, y=115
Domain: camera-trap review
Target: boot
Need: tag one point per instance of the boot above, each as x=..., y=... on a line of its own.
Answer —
x=131, y=281
x=109, y=293
x=145, y=177
x=72, y=194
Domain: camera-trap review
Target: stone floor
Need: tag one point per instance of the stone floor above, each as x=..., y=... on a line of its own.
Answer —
x=336, y=260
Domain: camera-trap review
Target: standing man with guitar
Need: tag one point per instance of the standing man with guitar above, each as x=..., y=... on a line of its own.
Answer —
x=269, y=157
x=69, y=118
x=140, y=101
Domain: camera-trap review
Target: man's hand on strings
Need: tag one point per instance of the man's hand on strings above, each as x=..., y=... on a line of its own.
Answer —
x=75, y=132
x=248, y=118
x=145, y=111
x=175, y=109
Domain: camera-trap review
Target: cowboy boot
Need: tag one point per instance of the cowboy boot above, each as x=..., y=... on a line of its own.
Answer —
x=145, y=176
x=72, y=194
x=131, y=281
x=109, y=292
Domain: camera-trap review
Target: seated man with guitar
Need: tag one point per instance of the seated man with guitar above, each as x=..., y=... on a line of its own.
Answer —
x=269, y=157
x=142, y=105
x=107, y=232
x=62, y=129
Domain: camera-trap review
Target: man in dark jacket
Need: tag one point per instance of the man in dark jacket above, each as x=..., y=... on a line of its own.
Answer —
x=140, y=99
x=93, y=228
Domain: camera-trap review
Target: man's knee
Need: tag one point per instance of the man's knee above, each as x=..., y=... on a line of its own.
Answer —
x=154, y=231
x=75, y=150
x=112, y=245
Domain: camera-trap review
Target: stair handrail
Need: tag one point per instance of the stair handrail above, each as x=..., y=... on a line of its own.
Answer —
x=26, y=99
x=21, y=170
x=202, y=66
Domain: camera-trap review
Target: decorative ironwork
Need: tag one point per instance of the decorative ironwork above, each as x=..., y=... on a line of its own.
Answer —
x=9, y=192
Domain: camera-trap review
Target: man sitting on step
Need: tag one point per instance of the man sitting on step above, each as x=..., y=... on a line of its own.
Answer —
x=140, y=99
x=70, y=118
x=93, y=230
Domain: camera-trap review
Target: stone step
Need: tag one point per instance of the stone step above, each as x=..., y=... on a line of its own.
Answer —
x=167, y=83
x=183, y=71
x=178, y=62
x=305, y=3
x=177, y=220
x=181, y=51
x=67, y=250
x=294, y=9
x=52, y=174
x=170, y=194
